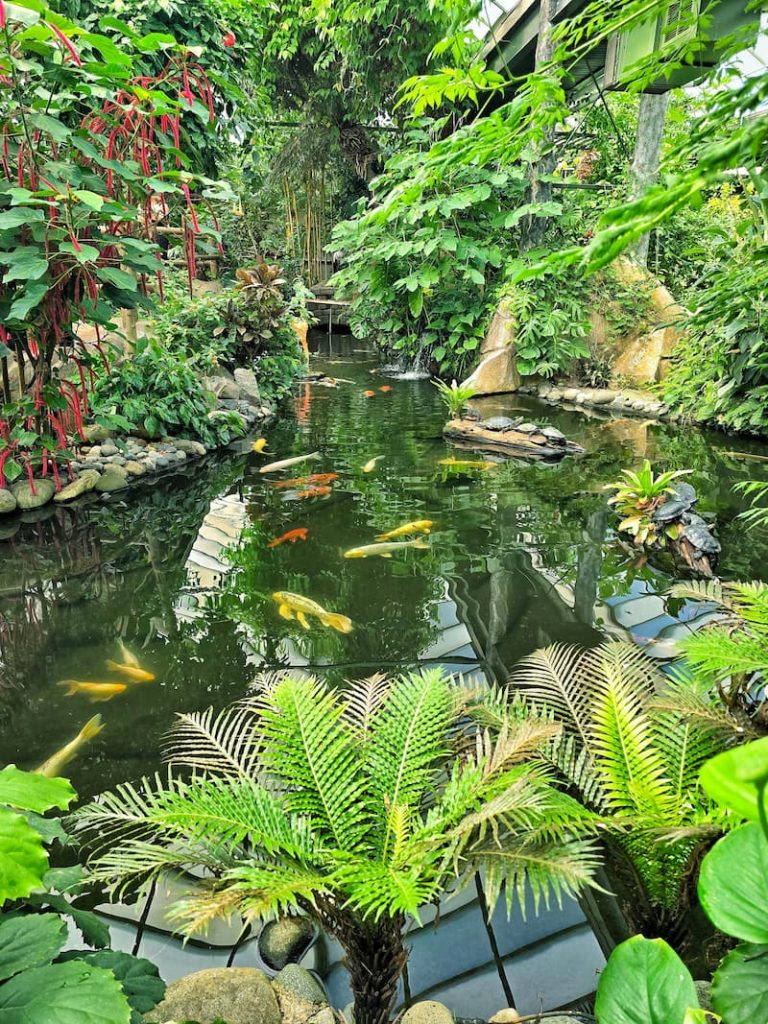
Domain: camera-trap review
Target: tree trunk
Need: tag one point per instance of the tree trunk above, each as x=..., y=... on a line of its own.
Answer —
x=645, y=163
x=541, y=191
x=375, y=959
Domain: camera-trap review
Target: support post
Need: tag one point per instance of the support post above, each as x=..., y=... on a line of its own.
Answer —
x=651, y=115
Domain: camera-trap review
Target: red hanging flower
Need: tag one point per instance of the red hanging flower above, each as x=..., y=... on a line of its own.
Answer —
x=228, y=39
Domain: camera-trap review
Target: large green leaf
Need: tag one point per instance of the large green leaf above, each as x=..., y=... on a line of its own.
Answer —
x=23, y=860
x=24, y=264
x=32, y=296
x=733, y=884
x=644, y=982
x=740, y=985
x=141, y=981
x=17, y=216
x=29, y=940
x=31, y=792
x=733, y=777
x=68, y=993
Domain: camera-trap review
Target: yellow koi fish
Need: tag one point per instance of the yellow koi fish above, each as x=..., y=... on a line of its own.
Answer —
x=129, y=658
x=56, y=763
x=93, y=691
x=385, y=550
x=417, y=526
x=288, y=604
x=260, y=445
x=132, y=672
x=468, y=464
x=273, y=467
x=371, y=464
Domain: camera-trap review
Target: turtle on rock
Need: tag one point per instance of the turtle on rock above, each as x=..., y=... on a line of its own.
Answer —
x=681, y=499
x=500, y=424
x=553, y=434
x=698, y=535
x=528, y=428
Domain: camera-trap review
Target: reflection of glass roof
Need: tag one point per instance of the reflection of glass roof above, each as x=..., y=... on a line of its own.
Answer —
x=490, y=12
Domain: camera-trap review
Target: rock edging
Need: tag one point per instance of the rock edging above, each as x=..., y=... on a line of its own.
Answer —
x=610, y=400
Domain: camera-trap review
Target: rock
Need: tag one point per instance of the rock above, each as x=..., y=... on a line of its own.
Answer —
x=285, y=941
x=221, y=387
x=9, y=528
x=84, y=483
x=109, y=448
x=301, y=983
x=601, y=396
x=38, y=515
x=134, y=468
x=94, y=452
x=237, y=995
x=150, y=465
x=112, y=479
x=162, y=462
x=190, y=447
x=25, y=499
x=249, y=386
x=179, y=456
x=506, y=1016
x=325, y=1016
x=94, y=432
x=228, y=404
x=497, y=371
x=115, y=460
x=428, y=1012
x=7, y=502
x=294, y=1009
x=569, y=394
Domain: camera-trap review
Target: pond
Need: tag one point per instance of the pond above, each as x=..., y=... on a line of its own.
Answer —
x=182, y=572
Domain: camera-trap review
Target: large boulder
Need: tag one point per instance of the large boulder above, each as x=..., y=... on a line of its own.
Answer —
x=285, y=941
x=496, y=373
x=7, y=502
x=25, y=499
x=84, y=483
x=237, y=995
x=249, y=386
x=301, y=983
x=114, y=478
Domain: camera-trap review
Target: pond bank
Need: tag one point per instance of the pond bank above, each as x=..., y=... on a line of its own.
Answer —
x=619, y=401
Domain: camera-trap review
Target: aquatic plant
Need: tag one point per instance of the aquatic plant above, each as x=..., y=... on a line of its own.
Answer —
x=455, y=395
x=39, y=984
x=632, y=752
x=357, y=807
x=646, y=980
x=637, y=495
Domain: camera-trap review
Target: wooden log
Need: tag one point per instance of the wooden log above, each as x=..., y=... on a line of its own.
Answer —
x=514, y=443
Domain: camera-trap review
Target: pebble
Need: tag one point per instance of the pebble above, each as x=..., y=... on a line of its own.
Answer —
x=135, y=469
x=109, y=448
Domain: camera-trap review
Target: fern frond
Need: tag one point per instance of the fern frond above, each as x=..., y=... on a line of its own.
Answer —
x=364, y=698
x=223, y=742
x=563, y=679
x=516, y=741
x=575, y=763
x=691, y=703
x=380, y=890
x=136, y=863
x=722, y=653
x=260, y=890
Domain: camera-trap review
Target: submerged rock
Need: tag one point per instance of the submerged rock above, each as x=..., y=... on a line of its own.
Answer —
x=428, y=1012
x=25, y=499
x=84, y=483
x=237, y=995
x=285, y=941
x=7, y=502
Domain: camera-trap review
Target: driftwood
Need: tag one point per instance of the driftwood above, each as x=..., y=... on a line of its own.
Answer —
x=514, y=443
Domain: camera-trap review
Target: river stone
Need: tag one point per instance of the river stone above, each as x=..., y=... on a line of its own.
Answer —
x=237, y=995
x=428, y=1012
x=84, y=483
x=301, y=983
x=294, y=1009
x=506, y=1016
x=134, y=468
x=249, y=386
x=109, y=448
x=190, y=447
x=285, y=941
x=94, y=432
x=25, y=499
x=7, y=502
x=112, y=479
x=162, y=462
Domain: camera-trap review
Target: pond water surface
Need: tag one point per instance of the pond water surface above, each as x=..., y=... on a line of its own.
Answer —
x=180, y=569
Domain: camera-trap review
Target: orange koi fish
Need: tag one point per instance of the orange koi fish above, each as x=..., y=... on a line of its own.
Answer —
x=93, y=691
x=385, y=387
x=300, y=533
x=369, y=394
x=314, y=492
x=302, y=481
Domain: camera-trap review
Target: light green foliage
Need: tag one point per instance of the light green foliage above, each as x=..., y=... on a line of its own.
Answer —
x=637, y=496
x=352, y=806
x=757, y=492
x=455, y=396
x=632, y=755
x=645, y=982
x=159, y=392
x=110, y=989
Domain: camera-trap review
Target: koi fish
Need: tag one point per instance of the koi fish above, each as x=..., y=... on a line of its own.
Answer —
x=417, y=526
x=314, y=492
x=385, y=387
x=301, y=481
x=385, y=550
x=467, y=463
x=55, y=764
x=129, y=658
x=300, y=533
x=371, y=464
x=273, y=467
x=260, y=445
x=132, y=672
x=93, y=691
x=289, y=605
x=369, y=394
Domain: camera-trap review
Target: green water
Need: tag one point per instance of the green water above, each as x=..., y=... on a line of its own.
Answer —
x=520, y=556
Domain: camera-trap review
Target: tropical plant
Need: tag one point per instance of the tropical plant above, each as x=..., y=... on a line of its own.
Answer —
x=631, y=751
x=637, y=496
x=38, y=983
x=757, y=492
x=645, y=982
x=455, y=396
x=158, y=392
x=356, y=807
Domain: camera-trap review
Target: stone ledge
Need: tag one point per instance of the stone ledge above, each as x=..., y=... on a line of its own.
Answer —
x=613, y=400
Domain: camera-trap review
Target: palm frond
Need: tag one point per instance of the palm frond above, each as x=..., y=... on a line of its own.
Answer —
x=691, y=700
x=314, y=752
x=574, y=762
x=408, y=739
x=517, y=740
x=379, y=889
x=364, y=698
x=223, y=742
